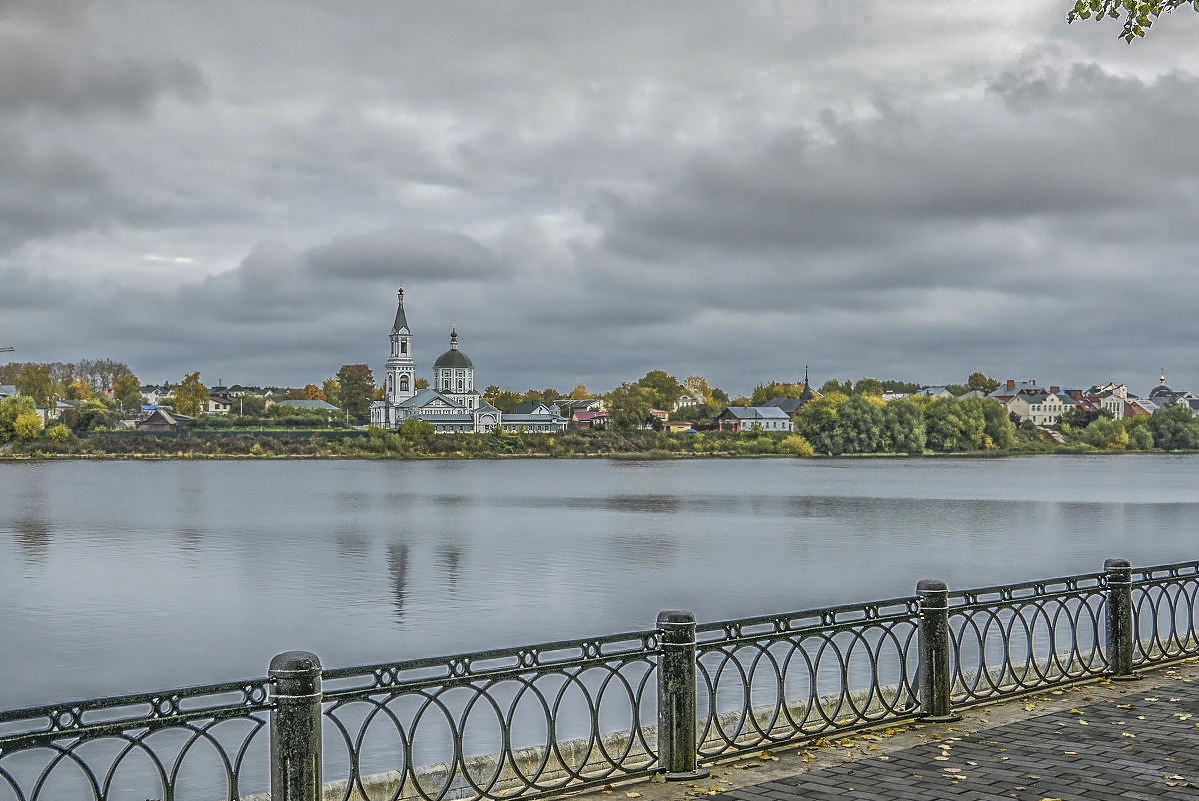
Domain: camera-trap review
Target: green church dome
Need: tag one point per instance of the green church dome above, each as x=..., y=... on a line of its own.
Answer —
x=452, y=359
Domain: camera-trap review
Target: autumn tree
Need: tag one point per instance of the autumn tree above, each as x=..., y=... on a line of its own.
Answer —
x=421, y=383
x=34, y=381
x=501, y=399
x=416, y=430
x=665, y=388
x=190, y=397
x=818, y=422
x=629, y=406
x=313, y=392
x=357, y=383
x=91, y=415
x=903, y=427
x=697, y=386
x=833, y=385
x=127, y=391
x=12, y=409
x=332, y=391
x=77, y=390
x=775, y=389
x=868, y=386
x=860, y=424
x=579, y=393
x=1138, y=14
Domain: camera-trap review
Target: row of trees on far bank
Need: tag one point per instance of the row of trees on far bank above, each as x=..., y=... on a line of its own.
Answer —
x=838, y=424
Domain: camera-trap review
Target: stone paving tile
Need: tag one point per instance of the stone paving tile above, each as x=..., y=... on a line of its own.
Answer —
x=1139, y=745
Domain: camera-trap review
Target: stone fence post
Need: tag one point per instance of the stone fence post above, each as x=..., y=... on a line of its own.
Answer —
x=296, y=727
x=1120, y=632
x=934, y=678
x=678, y=756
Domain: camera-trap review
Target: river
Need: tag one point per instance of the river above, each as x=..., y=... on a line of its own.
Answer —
x=123, y=576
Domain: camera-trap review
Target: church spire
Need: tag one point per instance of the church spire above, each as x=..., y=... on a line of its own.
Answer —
x=401, y=322
x=453, y=335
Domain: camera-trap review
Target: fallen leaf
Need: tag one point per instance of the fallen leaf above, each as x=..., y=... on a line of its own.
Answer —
x=768, y=756
x=632, y=795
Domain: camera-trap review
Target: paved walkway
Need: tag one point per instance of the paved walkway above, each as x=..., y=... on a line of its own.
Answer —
x=1105, y=740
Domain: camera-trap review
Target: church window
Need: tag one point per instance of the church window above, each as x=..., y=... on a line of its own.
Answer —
x=459, y=384
x=403, y=383
x=403, y=346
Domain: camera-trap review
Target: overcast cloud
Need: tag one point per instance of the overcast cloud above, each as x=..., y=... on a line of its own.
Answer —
x=903, y=190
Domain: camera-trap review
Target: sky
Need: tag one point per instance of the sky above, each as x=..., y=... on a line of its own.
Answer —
x=590, y=191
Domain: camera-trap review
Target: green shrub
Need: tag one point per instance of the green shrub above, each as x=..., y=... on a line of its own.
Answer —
x=797, y=446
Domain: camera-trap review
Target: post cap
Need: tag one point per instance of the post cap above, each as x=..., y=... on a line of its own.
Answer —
x=931, y=585
x=1116, y=564
x=675, y=617
x=294, y=662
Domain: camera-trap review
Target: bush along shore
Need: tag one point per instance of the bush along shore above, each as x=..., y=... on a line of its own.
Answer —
x=379, y=444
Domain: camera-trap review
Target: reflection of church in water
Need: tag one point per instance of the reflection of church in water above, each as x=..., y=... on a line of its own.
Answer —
x=451, y=404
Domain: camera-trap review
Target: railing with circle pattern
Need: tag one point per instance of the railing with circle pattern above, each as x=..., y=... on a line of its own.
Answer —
x=542, y=719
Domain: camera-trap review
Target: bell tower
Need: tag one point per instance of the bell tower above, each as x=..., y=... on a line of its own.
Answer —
x=401, y=369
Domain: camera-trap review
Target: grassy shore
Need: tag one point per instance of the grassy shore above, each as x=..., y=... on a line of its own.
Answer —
x=378, y=444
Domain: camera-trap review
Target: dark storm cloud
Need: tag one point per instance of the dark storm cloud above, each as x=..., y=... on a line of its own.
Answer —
x=1081, y=148
x=47, y=188
x=596, y=190
x=48, y=60
x=420, y=255
x=277, y=283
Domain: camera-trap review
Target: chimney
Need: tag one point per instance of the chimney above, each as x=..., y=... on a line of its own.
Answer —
x=1011, y=383
x=1054, y=390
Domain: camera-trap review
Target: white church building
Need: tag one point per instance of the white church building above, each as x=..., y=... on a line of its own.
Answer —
x=451, y=403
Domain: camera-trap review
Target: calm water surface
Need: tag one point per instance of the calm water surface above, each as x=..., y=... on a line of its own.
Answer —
x=118, y=577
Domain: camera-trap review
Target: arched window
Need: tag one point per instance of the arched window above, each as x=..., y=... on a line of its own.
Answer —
x=459, y=384
x=403, y=383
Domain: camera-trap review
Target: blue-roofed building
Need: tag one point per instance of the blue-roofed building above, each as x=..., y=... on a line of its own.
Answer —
x=745, y=418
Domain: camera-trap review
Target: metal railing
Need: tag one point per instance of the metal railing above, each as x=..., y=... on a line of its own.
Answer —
x=538, y=720
x=172, y=744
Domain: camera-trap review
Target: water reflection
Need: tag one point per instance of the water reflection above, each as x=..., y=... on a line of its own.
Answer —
x=351, y=541
x=33, y=537
x=449, y=560
x=190, y=539
x=397, y=568
x=365, y=562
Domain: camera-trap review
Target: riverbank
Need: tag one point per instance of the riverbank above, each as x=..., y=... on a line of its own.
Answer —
x=379, y=444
